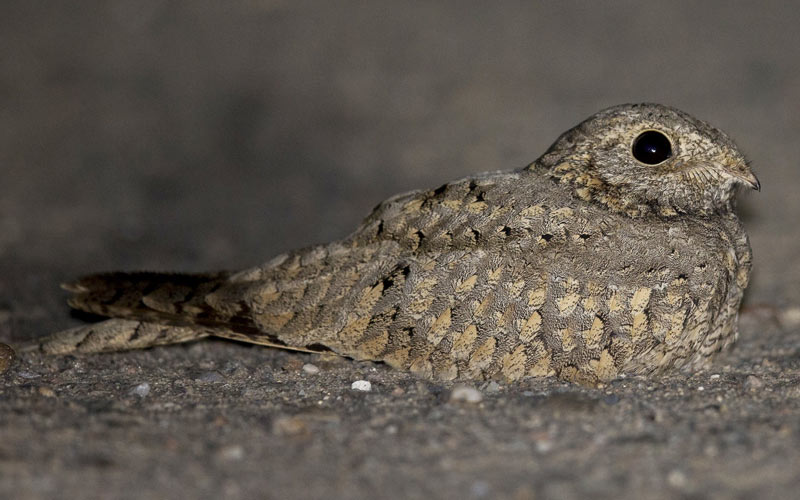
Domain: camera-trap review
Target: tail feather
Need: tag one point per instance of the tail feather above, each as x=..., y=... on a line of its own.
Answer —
x=147, y=295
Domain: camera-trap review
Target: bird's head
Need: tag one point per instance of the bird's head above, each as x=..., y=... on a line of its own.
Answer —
x=641, y=158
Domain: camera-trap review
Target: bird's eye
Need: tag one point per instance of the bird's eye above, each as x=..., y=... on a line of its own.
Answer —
x=652, y=147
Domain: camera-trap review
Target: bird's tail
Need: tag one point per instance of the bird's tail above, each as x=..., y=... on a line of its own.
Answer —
x=146, y=295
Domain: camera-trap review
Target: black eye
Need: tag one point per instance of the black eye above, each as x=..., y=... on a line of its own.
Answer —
x=652, y=147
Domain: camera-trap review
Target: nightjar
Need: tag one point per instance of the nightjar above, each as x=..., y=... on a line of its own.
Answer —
x=618, y=251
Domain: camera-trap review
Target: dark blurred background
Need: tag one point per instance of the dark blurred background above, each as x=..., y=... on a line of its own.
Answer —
x=155, y=134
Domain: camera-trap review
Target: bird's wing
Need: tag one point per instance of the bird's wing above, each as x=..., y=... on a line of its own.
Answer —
x=465, y=214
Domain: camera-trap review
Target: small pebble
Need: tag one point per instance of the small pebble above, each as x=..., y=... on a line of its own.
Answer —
x=753, y=383
x=361, y=385
x=466, y=394
x=790, y=317
x=677, y=479
x=141, y=390
x=232, y=453
x=7, y=356
x=310, y=369
x=544, y=444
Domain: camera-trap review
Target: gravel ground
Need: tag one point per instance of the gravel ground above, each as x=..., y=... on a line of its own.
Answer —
x=169, y=136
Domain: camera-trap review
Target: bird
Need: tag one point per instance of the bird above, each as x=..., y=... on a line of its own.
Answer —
x=617, y=252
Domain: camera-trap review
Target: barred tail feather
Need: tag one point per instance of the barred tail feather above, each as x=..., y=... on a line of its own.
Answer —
x=146, y=295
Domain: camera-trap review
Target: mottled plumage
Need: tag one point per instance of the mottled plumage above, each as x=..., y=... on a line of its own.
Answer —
x=584, y=265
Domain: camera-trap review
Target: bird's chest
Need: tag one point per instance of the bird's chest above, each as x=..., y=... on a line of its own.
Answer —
x=717, y=273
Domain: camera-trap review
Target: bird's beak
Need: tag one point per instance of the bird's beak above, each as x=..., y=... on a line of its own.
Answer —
x=750, y=179
x=740, y=171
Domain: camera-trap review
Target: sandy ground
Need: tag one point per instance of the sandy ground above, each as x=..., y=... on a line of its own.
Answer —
x=166, y=136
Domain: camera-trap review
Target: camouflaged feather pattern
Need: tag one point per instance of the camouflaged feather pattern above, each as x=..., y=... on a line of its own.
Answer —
x=584, y=265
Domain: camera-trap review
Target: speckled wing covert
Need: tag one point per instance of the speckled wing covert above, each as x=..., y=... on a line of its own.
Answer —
x=502, y=275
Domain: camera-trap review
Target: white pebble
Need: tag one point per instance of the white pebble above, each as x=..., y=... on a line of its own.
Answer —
x=141, y=390
x=361, y=385
x=310, y=369
x=677, y=479
x=790, y=317
x=232, y=453
x=466, y=394
x=544, y=445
